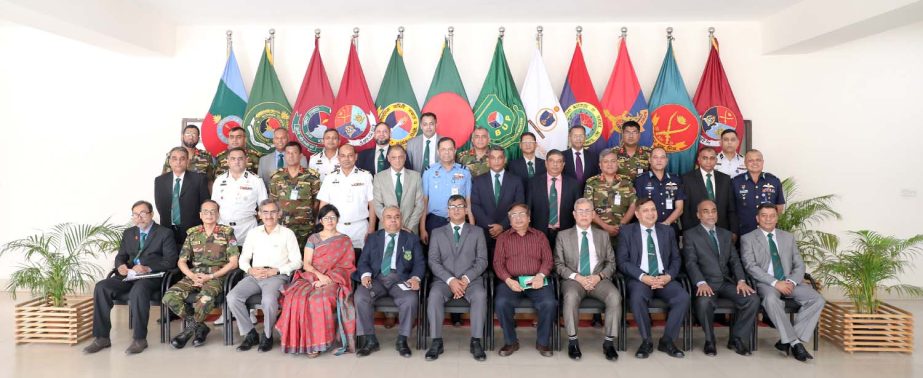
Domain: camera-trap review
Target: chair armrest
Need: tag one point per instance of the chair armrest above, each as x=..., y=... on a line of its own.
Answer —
x=234, y=277
x=809, y=278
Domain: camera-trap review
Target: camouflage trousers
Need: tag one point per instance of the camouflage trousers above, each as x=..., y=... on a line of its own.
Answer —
x=175, y=297
x=302, y=231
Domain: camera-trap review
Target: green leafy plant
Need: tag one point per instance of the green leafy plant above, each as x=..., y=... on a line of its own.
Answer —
x=873, y=263
x=57, y=262
x=799, y=218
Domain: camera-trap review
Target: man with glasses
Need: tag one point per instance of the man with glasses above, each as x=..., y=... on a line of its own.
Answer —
x=529, y=165
x=441, y=182
x=179, y=194
x=145, y=248
x=475, y=159
x=633, y=159
x=664, y=189
x=200, y=161
x=238, y=192
x=237, y=138
x=401, y=187
x=579, y=162
x=552, y=196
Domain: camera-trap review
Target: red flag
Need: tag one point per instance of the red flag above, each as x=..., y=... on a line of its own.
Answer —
x=624, y=101
x=714, y=100
x=311, y=113
x=578, y=98
x=355, y=112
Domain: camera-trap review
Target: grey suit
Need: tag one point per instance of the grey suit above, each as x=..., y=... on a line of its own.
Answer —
x=415, y=148
x=567, y=263
x=269, y=165
x=721, y=270
x=451, y=260
x=411, y=197
x=754, y=248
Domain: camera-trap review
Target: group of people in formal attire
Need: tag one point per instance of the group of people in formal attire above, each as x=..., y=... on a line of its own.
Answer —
x=319, y=240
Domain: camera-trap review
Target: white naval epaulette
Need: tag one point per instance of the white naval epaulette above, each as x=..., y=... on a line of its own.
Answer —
x=359, y=169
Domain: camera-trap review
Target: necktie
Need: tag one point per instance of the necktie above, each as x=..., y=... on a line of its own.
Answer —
x=553, y=203
x=714, y=241
x=425, y=157
x=386, y=260
x=585, y=256
x=579, y=166
x=708, y=187
x=398, y=189
x=776, y=260
x=280, y=162
x=143, y=240
x=381, y=160
x=531, y=169
x=653, y=268
x=496, y=188
x=174, y=205
x=457, y=234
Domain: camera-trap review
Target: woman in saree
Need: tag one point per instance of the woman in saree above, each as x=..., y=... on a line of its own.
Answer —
x=317, y=309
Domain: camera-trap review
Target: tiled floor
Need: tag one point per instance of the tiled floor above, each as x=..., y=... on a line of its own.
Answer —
x=216, y=360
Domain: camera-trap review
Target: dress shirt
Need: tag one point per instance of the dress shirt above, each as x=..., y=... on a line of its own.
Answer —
x=593, y=259
x=277, y=249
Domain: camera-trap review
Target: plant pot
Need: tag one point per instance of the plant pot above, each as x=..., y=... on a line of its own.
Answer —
x=37, y=321
x=889, y=330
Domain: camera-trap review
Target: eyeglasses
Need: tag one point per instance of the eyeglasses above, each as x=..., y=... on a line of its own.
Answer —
x=584, y=211
x=269, y=212
x=237, y=158
x=208, y=212
x=518, y=214
x=329, y=219
x=527, y=143
x=140, y=214
x=457, y=207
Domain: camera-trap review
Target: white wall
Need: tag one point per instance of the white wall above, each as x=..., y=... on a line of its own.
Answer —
x=97, y=123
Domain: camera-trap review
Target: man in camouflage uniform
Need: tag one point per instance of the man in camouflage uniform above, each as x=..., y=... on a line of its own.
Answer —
x=296, y=187
x=633, y=159
x=475, y=159
x=237, y=137
x=612, y=195
x=200, y=161
x=212, y=250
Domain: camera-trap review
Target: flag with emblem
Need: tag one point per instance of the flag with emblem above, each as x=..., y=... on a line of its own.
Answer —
x=227, y=109
x=499, y=108
x=714, y=100
x=581, y=106
x=545, y=117
x=448, y=101
x=674, y=118
x=397, y=105
x=354, y=115
x=623, y=100
x=268, y=108
x=311, y=113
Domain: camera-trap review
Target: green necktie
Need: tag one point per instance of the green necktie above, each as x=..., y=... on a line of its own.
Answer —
x=381, y=161
x=496, y=188
x=398, y=189
x=386, y=260
x=714, y=241
x=553, y=203
x=425, y=157
x=531, y=169
x=708, y=187
x=653, y=269
x=457, y=234
x=143, y=240
x=279, y=161
x=174, y=206
x=776, y=260
x=585, y=256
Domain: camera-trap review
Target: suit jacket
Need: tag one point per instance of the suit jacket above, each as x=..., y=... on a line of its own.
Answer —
x=518, y=167
x=374, y=252
x=486, y=212
x=754, y=251
x=694, y=187
x=703, y=263
x=159, y=253
x=411, y=197
x=268, y=166
x=368, y=161
x=538, y=201
x=590, y=164
x=415, y=147
x=567, y=253
x=191, y=195
x=630, y=249
x=468, y=257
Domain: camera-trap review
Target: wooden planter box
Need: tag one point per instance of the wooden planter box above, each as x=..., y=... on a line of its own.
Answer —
x=890, y=330
x=37, y=321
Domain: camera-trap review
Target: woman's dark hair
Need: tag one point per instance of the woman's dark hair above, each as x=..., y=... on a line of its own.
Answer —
x=326, y=209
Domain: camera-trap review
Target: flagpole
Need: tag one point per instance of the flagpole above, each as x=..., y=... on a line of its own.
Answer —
x=316, y=34
x=670, y=34
x=624, y=32
x=272, y=41
x=580, y=35
x=230, y=43
x=538, y=38
x=451, y=38
x=502, y=31
x=400, y=33
x=356, y=37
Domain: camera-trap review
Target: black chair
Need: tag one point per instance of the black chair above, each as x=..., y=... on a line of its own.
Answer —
x=525, y=307
x=190, y=300
x=590, y=305
x=655, y=306
x=253, y=302
x=791, y=308
x=457, y=306
x=169, y=279
x=386, y=304
x=723, y=306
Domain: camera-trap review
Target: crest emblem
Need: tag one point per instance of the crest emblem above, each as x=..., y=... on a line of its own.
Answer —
x=309, y=127
x=587, y=115
x=675, y=128
x=354, y=124
x=714, y=121
x=403, y=119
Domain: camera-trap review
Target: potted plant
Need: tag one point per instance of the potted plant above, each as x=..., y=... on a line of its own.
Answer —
x=871, y=265
x=799, y=218
x=57, y=264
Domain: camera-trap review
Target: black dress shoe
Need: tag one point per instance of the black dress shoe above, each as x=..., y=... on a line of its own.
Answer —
x=179, y=341
x=782, y=347
x=667, y=347
x=738, y=346
x=573, y=350
x=645, y=349
x=800, y=353
x=609, y=351
x=371, y=345
x=434, y=350
x=401, y=346
x=265, y=344
x=252, y=338
x=710, y=349
x=477, y=350
x=201, y=332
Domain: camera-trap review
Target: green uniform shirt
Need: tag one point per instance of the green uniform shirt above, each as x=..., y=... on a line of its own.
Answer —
x=207, y=254
x=296, y=195
x=610, y=199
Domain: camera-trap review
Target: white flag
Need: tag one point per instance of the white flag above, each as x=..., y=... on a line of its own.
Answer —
x=546, y=118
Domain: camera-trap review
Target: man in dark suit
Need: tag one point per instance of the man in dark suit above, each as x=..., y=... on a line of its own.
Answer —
x=553, y=187
x=714, y=266
x=648, y=256
x=145, y=248
x=390, y=259
x=579, y=162
x=376, y=159
x=492, y=194
x=179, y=195
x=528, y=165
x=707, y=183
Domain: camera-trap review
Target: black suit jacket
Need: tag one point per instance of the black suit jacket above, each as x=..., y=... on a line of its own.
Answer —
x=486, y=212
x=193, y=192
x=590, y=164
x=630, y=248
x=159, y=253
x=368, y=161
x=703, y=263
x=694, y=187
x=374, y=251
x=518, y=167
x=538, y=201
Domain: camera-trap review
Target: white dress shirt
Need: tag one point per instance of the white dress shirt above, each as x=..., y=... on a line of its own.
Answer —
x=277, y=249
x=395, y=180
x=593, y=259
x=433, y=150
x=705, y=181
x=397, y=236
x=582, y=159
x=461, y=228
x=492, y=182
x=643, y=265
x=732, y=166
x=323, y=165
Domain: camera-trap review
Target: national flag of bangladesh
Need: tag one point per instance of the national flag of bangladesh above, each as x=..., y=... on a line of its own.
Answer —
x=499, y=108
x=354, y=112
x=546, y=117
x=674, y=118
x=448, y=101
x=578, y=98
x=623, y=100
x=714, y=100
x=311, y=114
x=268, y=108
x=227, y=109
x=397, y=105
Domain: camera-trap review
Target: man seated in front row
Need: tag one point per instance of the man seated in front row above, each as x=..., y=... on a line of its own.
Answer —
x=269, y=257
x=145, y=248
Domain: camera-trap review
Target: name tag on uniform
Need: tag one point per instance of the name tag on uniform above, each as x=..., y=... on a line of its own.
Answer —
x=293, y=195
x=246, y=188
x=669, y=203
x=454, y=190
x=640, y=170
x=617, y=199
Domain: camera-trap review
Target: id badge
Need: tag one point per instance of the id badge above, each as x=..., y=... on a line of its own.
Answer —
x=617, y=199
x=669, y=203
x=293, y=195
x=454, y=190
x=640, y=170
